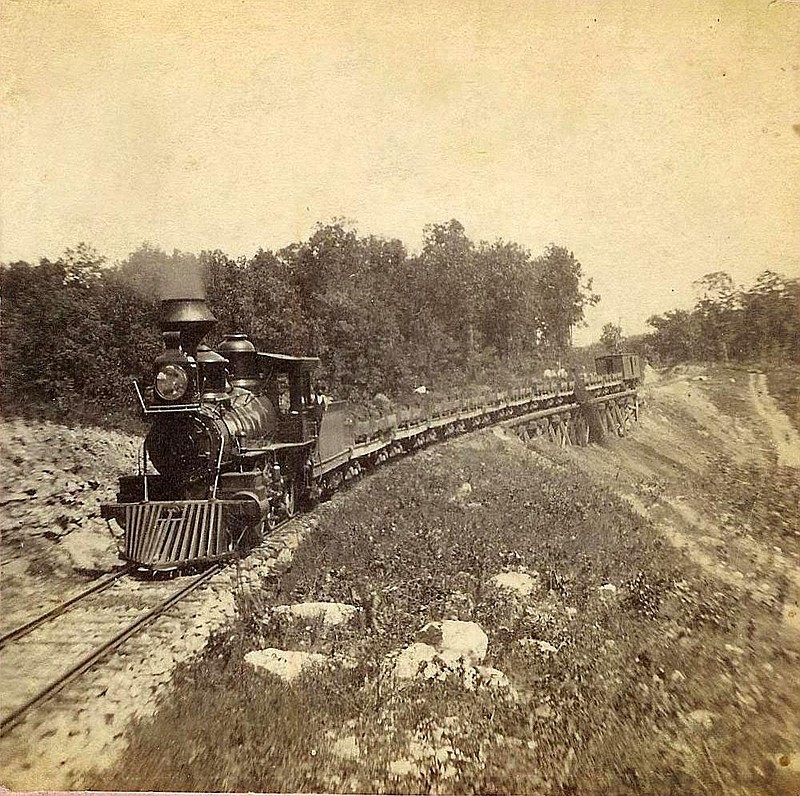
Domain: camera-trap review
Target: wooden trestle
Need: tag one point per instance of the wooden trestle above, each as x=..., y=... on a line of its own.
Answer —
x=579, y=423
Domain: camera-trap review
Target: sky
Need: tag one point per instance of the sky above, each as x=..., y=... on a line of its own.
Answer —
x=657, y=141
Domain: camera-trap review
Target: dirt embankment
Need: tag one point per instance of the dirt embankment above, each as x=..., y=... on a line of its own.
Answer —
x=636, y=607
x=52, y=481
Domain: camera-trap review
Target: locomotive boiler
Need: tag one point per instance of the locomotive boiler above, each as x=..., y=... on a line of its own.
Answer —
x=229, y=451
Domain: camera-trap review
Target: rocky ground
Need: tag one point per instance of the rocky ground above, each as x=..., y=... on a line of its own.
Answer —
x=486, y=616
x=52, y=481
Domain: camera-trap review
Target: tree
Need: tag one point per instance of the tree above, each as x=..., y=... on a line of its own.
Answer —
x=82, y=265
x=450, y=285
x=611, y=338
x=67, y=325
x=226, y=285
x=379, y=319
x=715, y=311
x=507, y=305
x=676, y=337
x=277, y=322
x=562, y=294
x=726, y=322
x=770, y=316
x=153, y=273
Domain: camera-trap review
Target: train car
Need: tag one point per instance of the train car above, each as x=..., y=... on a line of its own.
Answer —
x=238, y=439
x=625, y=364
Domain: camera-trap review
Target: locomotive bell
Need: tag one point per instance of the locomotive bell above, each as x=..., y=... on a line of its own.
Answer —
x=189, y=316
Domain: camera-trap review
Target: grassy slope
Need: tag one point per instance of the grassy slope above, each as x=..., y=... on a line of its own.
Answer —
x=608, y=712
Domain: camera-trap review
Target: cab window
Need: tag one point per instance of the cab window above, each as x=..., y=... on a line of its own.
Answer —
x=282, y=382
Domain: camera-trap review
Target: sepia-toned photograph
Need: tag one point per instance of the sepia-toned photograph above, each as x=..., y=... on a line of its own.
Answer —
x=400, y=398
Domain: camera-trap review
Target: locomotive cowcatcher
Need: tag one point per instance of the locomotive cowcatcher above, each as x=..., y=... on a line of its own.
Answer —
x=232, y=440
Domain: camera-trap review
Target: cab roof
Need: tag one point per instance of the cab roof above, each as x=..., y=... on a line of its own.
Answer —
x=286, y=362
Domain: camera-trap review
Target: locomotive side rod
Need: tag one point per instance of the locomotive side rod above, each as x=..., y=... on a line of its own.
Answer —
x=95, y=588
x=86, y=663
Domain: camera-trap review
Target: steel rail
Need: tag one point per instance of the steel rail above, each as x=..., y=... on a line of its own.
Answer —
x=100, y=585
x=10, y=721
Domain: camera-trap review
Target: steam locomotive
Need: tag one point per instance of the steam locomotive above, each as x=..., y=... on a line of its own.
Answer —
x=238, y=440
x=233, y=437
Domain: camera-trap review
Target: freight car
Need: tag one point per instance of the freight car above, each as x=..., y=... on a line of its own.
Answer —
x=238, y=439
x=627, y=365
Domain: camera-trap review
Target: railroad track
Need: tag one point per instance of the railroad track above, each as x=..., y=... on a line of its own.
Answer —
x=101, y=584
x=41, y=657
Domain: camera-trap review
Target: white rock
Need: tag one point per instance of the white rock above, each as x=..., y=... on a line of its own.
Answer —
x=90, y=551
x=701, y=718
x=494, y=678
x=286, y=664
x=734, y=650
x=545, y=647
x=331, y=614
x=453, y=640
x=346, y=748
x=417, y=750
x=520, y=582
x=442, y=755
x=402, y=768
x=608, y=587
x=408, y=662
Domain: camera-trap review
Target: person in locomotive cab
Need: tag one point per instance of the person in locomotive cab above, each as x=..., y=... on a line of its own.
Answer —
x=320, y=402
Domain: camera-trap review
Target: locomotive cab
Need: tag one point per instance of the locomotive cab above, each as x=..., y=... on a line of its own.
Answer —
x=288, y=386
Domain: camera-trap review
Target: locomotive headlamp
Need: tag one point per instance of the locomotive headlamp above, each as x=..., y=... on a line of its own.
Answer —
x=171, y=382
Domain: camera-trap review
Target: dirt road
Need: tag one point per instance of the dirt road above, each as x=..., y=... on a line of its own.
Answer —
x=784, y=436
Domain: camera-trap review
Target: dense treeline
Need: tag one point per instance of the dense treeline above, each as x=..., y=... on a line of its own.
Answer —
x=729, y=323
x=380, y=318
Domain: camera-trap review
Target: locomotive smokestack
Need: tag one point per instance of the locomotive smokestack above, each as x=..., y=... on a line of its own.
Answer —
x=189, y=316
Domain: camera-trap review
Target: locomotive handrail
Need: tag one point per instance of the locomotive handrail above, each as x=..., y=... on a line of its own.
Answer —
x=155, y=410
x=216, y=475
